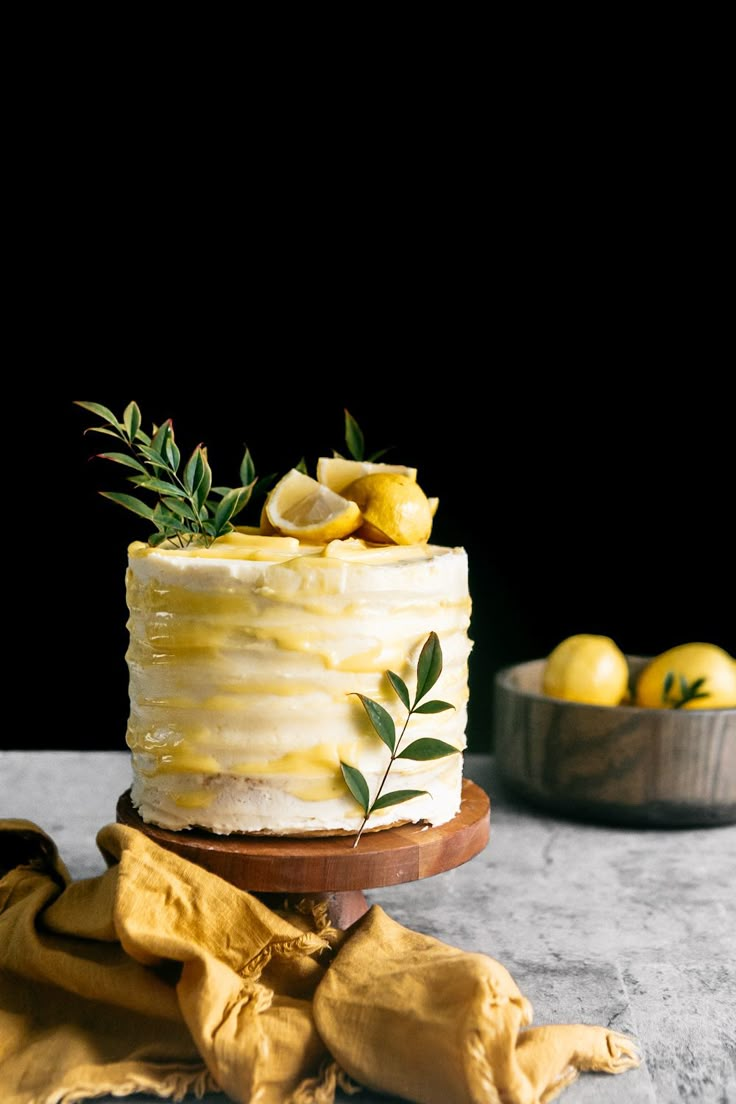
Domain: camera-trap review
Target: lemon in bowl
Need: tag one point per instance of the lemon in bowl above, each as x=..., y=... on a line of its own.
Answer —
x=689, y=676
x=665, y=764
x=587, y=668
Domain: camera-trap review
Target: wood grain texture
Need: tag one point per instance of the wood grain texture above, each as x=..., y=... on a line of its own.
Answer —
x=330, y=863
x=620, y=764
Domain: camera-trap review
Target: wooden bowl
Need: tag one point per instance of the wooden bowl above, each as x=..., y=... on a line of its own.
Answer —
x=617, y=764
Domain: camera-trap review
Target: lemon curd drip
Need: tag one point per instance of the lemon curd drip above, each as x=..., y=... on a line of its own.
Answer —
x=244, y=661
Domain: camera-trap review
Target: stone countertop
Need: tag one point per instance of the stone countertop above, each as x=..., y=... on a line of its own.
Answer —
x=634, y=929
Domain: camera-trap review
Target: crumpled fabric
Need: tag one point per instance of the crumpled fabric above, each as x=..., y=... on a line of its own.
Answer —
x=157, y=976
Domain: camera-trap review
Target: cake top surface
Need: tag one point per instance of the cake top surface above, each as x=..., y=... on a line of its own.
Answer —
x=242, y=544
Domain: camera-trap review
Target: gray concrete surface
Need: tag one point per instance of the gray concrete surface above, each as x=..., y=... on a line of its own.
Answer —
x=630, y=928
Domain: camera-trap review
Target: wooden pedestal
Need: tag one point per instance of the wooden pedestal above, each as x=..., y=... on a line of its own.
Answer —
x=329, y=868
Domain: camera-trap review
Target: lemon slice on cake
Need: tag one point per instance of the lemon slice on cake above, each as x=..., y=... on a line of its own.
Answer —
x=299, y=506
x=337, y=473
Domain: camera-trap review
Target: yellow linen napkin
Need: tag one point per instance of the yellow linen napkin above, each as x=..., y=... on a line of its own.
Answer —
x=157, y=976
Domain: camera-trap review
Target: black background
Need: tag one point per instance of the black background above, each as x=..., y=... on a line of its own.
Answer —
x=549, y=341
x=519, y=279
x=590, y=497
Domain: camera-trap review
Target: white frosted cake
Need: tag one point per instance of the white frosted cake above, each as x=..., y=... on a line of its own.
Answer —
x=245, y=660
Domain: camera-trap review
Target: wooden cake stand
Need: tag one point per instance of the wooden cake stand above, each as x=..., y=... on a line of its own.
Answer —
x=329, y=868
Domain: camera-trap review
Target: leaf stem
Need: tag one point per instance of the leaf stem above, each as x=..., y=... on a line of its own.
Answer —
x=394, y=754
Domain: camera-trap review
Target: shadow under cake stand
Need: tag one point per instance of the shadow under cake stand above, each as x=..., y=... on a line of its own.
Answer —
x=289, y=869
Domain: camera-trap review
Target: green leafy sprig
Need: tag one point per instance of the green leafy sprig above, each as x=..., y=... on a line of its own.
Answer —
x=429, y=668
x=355, y=441
x=689, y=691
x=187, y=508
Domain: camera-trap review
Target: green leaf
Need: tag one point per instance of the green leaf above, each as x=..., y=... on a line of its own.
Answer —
x=429, y=667
x=130, y=503
x=157, y=538
x=433, y=707
x=247, y=469
x=166, y=519
x=232, y=503
x=193, y=470
x=354, y=437
x=161, y=486
x=132, y=419
x=302, y=466
x=400, y=687
x=104, y=429
x=202, y=489
x=669, y=679
x=180, y=508
x=396, y=797
x=691, y=691
x=153, y=456
x=172, y=452
x=357, y=785
x=102, y=412
x=381, y=720
x=158, y=441
x=264, y=484
x=244, y=497
x=123, y=458
x=427, y=749
x=377, y=455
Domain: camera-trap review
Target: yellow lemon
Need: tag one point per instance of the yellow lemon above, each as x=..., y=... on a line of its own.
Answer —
x=690, y=676
x=337, y=473
x=587, y=668
x=299, y=506
x=395, y=509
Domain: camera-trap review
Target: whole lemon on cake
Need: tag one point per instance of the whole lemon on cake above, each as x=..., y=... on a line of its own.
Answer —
x=282, y=677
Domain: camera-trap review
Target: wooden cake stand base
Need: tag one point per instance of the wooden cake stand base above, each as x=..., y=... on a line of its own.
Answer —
x=329, y=868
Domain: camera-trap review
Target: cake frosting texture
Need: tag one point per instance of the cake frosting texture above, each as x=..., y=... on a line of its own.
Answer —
x=245, y=659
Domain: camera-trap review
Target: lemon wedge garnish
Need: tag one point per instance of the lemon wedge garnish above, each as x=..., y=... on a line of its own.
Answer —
x=299, y=506
x=337, y=473
x=395, y=509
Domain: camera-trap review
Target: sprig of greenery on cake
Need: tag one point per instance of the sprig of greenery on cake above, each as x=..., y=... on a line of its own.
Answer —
x=356, y=497
x=429, y=669
x=187, y=509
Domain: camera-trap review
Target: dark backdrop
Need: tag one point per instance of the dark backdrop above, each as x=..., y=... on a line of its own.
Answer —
x=590, y=497
x=528, y=301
